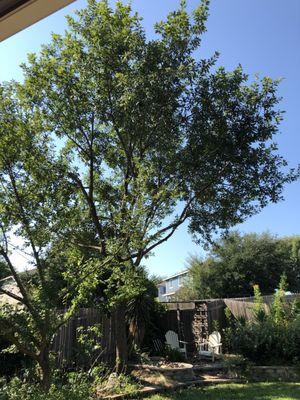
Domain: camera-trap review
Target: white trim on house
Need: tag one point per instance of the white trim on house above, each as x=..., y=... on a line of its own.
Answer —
x=168, y=294
x=173, y=276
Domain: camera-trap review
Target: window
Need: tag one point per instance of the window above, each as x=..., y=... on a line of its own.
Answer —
x=162, y=290
x=181, y=280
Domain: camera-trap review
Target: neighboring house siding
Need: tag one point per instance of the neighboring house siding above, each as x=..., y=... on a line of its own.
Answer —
x=169, y=286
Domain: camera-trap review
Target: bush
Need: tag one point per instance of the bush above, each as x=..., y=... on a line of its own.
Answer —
x=77, y=387
x=236, y=366
x=11, y=361
x=174, y=355
x=116, y=384
x=272, y=337
x=71, y=386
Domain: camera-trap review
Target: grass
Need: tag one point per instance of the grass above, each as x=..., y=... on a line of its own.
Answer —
x=249, y=391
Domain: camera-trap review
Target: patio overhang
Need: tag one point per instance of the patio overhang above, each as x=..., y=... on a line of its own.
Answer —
x=16, y=15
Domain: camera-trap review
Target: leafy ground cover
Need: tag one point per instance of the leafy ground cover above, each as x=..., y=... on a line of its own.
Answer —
x=70, y=386
x=249, y=391
x=78, y=387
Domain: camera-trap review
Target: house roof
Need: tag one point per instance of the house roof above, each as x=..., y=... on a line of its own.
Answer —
x=16, y=15
x=9, y=285
x=173, y=276
x=6, y=6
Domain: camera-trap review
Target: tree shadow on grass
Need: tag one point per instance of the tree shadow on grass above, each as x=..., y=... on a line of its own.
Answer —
x=251, y=391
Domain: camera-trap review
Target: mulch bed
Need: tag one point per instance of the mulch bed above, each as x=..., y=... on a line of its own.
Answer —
x=205, y=374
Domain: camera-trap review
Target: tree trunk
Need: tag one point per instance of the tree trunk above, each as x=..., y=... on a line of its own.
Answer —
x=44, y=363
x=137, y=330
x=121, y=339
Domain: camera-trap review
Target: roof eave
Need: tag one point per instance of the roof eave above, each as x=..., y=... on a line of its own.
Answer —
x=21, y=14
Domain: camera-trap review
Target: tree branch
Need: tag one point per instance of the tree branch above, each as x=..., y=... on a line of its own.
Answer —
x=11, y=337
x=173, y=226
x=93, y=211
x=26, y=225
x=25, y=298
x=12, y=295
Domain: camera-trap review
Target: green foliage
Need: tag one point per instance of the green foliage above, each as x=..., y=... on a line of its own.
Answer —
x=72, y=386
x=260, y=309
x=173, y=355
x=88, y=347
x=35, y=203
x=126, y=385
x=238, y=262
x=102, y=89
x=116, y=384
x=258, y=301
x=11, y=361
x=76, y=387
x=144, y=315
x=236, y=365
x=278, y=309
x=4, y=271
x=119, y=140
x=272, y=337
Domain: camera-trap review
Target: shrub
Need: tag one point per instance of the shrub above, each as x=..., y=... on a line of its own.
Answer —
x=71, y=386
x=236, y=366
x=76, y=387
x=270, y=337
x=10, y=360
x=173, y=355
x=116, y=384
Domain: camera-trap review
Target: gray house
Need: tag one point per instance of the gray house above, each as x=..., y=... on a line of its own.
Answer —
x=169, y=286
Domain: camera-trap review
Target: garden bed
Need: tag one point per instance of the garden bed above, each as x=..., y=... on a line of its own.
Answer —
x=163, y=373
x=176, y=386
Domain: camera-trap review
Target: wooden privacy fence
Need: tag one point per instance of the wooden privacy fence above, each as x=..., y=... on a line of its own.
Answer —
x=244, y=307
x=193, y=321
x=66, y=344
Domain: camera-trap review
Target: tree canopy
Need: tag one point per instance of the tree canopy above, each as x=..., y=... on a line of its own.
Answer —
x=238, y=262
x=113, y=141
x=146, y=126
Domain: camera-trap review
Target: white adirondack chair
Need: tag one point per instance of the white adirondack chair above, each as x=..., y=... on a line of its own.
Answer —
x=212, y=346
x=174, y=343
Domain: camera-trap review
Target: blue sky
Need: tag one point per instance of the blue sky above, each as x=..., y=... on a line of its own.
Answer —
x=263, y=36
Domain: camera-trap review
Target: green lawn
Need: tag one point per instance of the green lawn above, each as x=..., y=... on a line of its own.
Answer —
x=249, y=391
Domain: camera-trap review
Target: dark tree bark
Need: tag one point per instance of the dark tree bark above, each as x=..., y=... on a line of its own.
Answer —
x=137, y=330
x=44, y=363
x=121, y=339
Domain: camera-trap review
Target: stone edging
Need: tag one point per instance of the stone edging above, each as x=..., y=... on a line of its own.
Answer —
x=183, y=367
x=274, y=372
